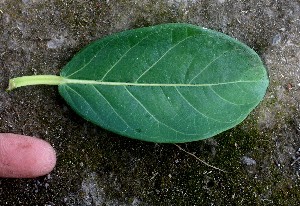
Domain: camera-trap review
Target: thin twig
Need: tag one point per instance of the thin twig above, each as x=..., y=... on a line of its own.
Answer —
x=296, y=160
x=216, y=168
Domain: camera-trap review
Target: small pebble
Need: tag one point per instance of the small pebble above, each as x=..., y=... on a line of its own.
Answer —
x=248, y=161
x=276, y=40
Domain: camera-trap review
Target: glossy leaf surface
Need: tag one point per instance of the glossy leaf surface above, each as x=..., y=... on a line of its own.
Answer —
x=167, y=83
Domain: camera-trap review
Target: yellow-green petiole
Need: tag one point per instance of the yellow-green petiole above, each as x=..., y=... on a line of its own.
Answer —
x=34, y=80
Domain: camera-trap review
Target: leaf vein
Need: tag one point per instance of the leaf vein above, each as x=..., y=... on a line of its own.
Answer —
x=210, y=63
x=159, y=122
x=191, y=105
x=78, y=94
x=119, y=116
x=170, y=49
x=116, y=63
x=226, y=100
x=89, y=61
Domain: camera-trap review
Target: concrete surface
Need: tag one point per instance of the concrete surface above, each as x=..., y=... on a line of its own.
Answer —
x=96, y=167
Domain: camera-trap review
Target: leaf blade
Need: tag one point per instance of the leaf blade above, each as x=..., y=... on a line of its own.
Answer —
x=167, y=83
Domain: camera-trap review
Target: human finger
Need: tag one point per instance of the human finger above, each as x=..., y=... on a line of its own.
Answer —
x=25, y=157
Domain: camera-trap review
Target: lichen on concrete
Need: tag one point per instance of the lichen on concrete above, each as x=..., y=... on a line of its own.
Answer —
x=96, y=167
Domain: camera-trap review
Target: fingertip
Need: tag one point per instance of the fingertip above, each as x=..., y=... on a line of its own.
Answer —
x=25, y=157
x=46, y=157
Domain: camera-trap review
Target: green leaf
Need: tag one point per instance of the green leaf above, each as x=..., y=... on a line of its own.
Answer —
x=166, y=83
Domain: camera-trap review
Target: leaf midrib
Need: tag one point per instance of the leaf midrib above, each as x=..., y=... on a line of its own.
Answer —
x=94, y=82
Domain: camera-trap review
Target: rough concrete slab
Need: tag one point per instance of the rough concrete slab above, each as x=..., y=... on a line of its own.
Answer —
x=96, y=167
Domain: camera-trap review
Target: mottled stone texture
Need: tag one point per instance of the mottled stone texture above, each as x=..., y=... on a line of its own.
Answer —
x=96, y=167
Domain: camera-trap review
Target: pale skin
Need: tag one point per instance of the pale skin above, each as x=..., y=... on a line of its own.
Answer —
x=25, y=157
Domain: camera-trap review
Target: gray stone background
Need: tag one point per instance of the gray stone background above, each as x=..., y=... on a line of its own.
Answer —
x=96, y=167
